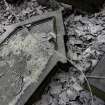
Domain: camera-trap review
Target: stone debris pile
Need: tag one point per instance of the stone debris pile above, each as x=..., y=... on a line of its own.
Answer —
x=86, y=39
x=65, y=89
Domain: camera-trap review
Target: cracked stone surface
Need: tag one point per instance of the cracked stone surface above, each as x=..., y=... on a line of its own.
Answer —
x=22, y=56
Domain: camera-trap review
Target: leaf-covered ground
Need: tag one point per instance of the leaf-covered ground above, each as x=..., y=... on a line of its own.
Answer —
x=85, y=46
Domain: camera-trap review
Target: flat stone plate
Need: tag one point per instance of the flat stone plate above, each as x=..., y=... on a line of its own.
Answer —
x=98, y=84
x=24, y=64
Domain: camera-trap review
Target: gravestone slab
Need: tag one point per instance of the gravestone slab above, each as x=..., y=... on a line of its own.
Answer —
x=27, y=56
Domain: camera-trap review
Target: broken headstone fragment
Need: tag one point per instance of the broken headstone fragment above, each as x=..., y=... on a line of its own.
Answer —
x=29, y=56
x=96, y=81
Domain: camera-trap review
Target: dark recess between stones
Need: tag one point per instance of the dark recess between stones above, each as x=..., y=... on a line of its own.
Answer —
x=85, y=5
x=14, y=2
x=89, y=6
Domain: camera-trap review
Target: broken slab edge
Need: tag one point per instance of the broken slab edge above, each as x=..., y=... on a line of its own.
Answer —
x=21, y=99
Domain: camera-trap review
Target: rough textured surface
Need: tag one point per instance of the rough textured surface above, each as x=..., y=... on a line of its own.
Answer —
x=85, y=39
x=13, y=2
x=99, y=84
x=31, y=51
x=21, y=58
x=84, y=32
x=85, y=46
x=65, y=89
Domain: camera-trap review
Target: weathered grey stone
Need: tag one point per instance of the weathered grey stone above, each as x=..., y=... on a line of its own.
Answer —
x=98, y=83
x=23, y=62
x=14, y=1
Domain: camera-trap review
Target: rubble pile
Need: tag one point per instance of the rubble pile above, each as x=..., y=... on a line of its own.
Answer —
x=86, y=39
x=65, y=89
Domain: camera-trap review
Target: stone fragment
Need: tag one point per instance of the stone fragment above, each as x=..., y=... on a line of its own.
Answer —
x=98, y=83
